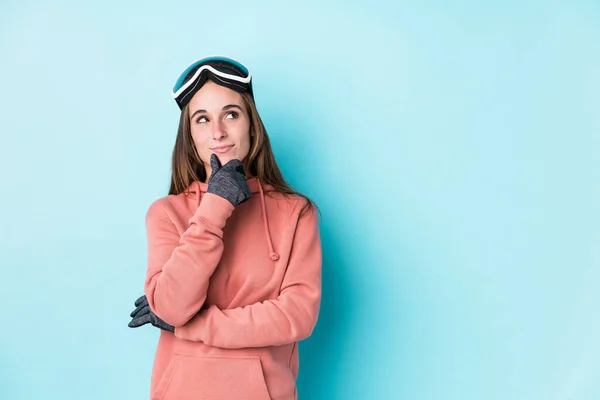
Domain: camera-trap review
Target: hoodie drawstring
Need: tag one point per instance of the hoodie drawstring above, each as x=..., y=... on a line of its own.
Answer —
x=274, y=256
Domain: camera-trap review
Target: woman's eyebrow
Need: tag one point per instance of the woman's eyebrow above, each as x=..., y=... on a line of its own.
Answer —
x=197, y=112
x=227, y=107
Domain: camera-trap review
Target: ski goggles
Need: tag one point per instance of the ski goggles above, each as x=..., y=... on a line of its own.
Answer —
x=223, y=71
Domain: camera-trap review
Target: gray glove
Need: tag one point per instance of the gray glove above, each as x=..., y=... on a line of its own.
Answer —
x=143, y=315
x=228, y=181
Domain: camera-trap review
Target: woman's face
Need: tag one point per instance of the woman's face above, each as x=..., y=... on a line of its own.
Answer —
x=220, y=124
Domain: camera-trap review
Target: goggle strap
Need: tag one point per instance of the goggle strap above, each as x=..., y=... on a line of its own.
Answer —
x=226, y=83
x=216, y=72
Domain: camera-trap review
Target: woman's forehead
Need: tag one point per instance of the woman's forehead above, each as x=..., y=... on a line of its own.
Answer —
x=213, y=96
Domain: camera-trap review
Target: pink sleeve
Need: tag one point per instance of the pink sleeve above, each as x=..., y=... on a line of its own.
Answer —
x=179, y=267
x=289, y=318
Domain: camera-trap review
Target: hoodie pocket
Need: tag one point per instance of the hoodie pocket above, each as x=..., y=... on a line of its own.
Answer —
x=212, y=377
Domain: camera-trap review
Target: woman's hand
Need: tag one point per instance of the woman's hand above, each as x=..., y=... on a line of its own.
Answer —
x=228, y=181
x=143, y=315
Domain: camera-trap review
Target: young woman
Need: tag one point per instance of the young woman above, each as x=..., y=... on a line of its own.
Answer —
x=234, y=254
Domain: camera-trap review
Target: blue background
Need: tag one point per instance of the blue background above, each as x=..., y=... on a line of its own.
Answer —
x=451, y=146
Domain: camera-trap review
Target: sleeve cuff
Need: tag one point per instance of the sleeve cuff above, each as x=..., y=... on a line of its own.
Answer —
x=214, y=210
x=194, y=330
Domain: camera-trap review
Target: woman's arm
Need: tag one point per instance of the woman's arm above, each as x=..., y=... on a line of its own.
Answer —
x=179, y=268
x=290, y=317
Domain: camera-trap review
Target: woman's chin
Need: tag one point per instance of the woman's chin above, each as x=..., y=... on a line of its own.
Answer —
x=225, y=158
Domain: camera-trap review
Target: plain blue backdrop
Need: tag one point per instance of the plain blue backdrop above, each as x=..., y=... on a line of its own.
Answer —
x=451, y=146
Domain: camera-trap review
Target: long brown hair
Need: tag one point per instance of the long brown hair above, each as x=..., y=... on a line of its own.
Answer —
x=260, y=162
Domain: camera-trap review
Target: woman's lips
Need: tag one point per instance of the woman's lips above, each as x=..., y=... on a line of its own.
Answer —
x=221, y=149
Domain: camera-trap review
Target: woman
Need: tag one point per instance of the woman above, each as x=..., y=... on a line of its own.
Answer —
x=234, y=254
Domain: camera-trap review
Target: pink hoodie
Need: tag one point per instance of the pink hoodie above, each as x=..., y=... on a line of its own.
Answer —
x=241, y=286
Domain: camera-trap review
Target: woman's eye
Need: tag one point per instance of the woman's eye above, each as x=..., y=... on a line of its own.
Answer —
x=201, y=119
x=231, y=115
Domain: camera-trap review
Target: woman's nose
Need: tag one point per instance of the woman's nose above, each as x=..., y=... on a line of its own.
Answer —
x=219, y=131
